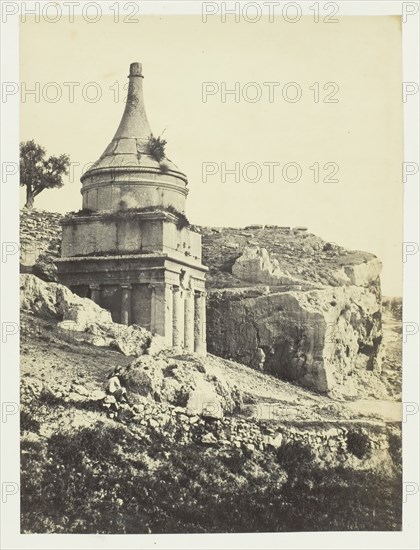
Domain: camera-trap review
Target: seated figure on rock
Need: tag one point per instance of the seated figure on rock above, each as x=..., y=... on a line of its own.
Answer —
x=114, y=388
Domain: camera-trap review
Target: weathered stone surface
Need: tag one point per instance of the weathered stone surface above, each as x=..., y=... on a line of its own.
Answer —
x=275, y=441
x=84, y=320
x=55, y=301
x=321, y=339
x=80, y=310
x=38, y=297
x=183, y=383
x=365, y=273
x=206, y=399
x=317, y=324
x=256, y=266
x=130, y=339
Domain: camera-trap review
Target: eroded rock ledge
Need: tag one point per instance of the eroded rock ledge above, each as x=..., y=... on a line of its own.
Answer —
x=323, y=332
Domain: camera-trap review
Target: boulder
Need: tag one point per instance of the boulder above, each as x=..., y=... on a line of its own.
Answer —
x=209, y=439
x=182, y=382
x=84, y=320
x=205, y=400
x=55, y=301
x=365, y=273
x=275, y=441
x=80, y=310
x=134, y=340
x=256, y=266
x=38, y=297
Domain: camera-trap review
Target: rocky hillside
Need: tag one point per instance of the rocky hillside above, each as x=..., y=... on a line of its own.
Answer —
x=304, y=258
x=280, y=300
x=199, y=436
x=303, y=255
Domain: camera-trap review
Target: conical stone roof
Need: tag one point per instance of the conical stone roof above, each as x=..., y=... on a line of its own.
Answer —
x=127, y=158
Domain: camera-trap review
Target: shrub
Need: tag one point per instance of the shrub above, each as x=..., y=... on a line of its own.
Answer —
x=81, y=212
x=182, y=218
x=396, y=308
x=294, y=456
x=182, y=221
x=47, y=397
x=358, y=444
x=99, y=443
x=127, y=213
x=155, y=147
x=395, y=448
x=28, y=422
x=235, y=460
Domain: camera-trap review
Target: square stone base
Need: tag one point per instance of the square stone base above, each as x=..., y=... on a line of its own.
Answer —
x=155, y=291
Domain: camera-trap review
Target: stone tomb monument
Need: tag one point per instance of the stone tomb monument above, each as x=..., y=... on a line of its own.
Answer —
x=130, y=249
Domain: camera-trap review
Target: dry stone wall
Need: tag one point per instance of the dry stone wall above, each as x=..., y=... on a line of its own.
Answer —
x=361, y=446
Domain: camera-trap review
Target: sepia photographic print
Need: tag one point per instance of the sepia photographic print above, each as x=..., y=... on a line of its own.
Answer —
x=211, y=250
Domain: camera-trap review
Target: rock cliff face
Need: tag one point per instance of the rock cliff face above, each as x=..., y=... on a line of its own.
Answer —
x=312, y=314
x=327, y=339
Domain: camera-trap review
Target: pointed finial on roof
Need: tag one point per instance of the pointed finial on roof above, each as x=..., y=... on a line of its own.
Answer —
x=134, y=123
x=135, y=69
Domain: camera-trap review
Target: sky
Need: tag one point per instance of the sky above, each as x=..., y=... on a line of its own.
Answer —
x=320, y=147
